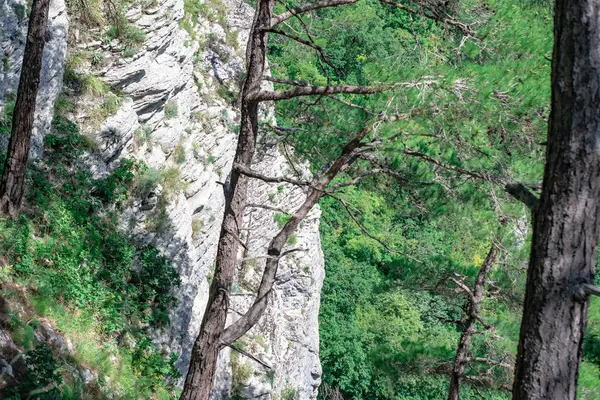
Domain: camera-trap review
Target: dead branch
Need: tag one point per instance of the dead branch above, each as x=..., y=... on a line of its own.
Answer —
x=490, y=361
x=473, y=174
x=307, y=7
x=250, y=356
x=268, y=95
x=476, y=295
x=308, y=43
x=431, y=13
x=266, y=207
x=270, y=179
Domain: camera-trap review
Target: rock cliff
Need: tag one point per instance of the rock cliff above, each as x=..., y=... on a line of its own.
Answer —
x=169, y=100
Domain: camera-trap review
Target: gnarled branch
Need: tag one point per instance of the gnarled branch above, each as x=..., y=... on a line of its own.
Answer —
x=269, y=95
x=307, y=7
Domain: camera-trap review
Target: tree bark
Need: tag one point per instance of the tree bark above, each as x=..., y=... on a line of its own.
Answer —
x=12, y=185
x=206, y=349
x=463, y=351
x=315, y=192
x=565, y=222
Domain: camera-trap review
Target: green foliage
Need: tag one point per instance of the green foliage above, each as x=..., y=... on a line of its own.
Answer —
x=148, y=362
x=92, y=279
x=171, y=109
x=289, y=394
x=179, y=153
x=281, y=219
x=42, y=373
x=20, y=11
x=389, y=321
x=6, y=118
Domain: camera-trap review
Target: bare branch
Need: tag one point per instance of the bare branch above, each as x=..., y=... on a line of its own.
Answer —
x=490, y=362
x=463, y=288
x=367, y=233
x=522, y=194
x=315, y=192
x=473, y=174
x=284, y=81
x=271, y=179
x=250, y=356
x=308, y=7
x=298, y=39
x=266, y=207
x=435, y=15
x=268, y=95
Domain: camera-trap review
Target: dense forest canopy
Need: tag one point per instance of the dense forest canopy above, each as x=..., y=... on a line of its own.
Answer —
x=390, y=318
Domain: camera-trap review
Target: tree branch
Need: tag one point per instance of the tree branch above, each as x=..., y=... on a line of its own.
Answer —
x=316, y=191
x=307, y=43
x=473, y=174
x=266, y=207
x=250, y=356
x=522, y=194
x=307, y=7
x=268, y=95
x=490, y=362
x=435, y=15
x=270, y=179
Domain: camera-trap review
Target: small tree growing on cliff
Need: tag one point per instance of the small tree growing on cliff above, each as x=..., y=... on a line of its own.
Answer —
x=213, y=335
x=12, y=186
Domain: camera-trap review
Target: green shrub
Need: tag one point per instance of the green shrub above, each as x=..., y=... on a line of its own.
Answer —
x=6, y=118
x=85, y=270
x=281, y=219
x=148, y=362
x=179, y=154
x=171, y=109
x=289, y=394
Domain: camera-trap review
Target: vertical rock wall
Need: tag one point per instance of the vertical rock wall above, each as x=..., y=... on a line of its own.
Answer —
x=176, y=113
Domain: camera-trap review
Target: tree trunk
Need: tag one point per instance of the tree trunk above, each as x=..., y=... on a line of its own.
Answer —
x=12, y=185
x=565, y=222
x=201, y=372
x=463, y=351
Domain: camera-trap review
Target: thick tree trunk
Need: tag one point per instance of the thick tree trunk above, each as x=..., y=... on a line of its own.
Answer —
x=565, y=223
x=12, y=186
x=463, y=351
x=201, y=372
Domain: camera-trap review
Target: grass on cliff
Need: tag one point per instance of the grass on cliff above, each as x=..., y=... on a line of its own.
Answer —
x=74, y=267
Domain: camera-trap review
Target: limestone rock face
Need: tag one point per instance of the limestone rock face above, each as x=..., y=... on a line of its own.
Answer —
x=176, y=112
x=13, y=33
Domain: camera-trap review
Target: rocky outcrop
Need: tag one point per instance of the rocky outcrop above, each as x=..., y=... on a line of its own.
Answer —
x=13, y=32
x=176, y=112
